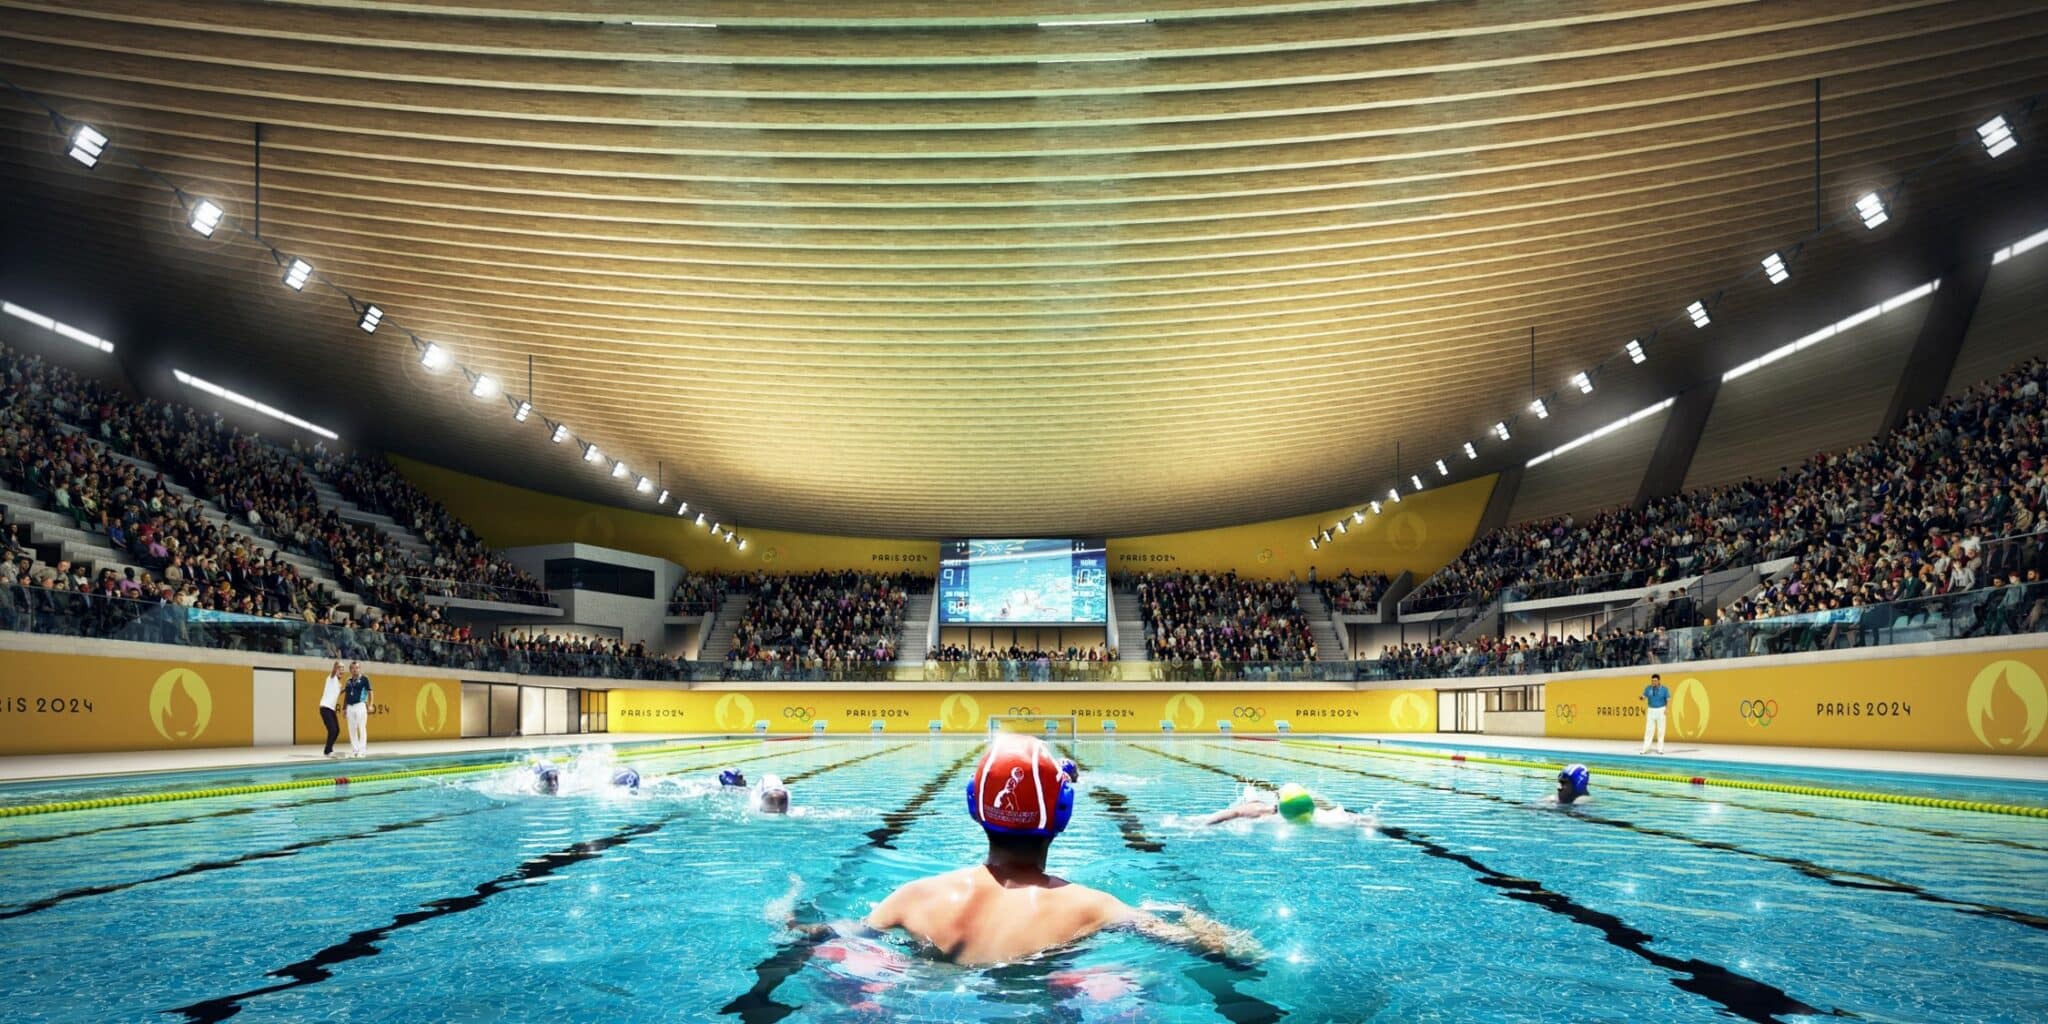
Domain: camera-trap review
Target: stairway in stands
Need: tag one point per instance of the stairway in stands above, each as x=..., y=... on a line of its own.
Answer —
x=1321, y=627
x=1130, y=626
x=913, y=640
x=719, y=641
x=355, y=606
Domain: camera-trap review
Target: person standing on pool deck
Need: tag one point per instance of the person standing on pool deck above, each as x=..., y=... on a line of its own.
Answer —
x=357, y=696
x=330, y=704
x=1008, y=907
x=1657, y=695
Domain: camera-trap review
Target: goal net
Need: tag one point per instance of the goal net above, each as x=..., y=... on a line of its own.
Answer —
x=1056, y=729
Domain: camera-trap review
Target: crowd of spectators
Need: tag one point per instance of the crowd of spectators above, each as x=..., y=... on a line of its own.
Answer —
x=1912, y=514
x=1351, y=593
x=460, y=564
x=1017, y=663
x=1211, y=618
x=831, y=622
x=701, y=593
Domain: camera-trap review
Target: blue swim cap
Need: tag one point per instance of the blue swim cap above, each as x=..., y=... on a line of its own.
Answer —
x=1574, y=779
x=1071, y=770
x=731, y=777
x=626, y=777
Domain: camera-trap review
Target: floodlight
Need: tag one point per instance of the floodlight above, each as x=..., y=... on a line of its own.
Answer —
x=1698, y=312
x=521, y=411
x=591, y=454
x=1500, y=430
x=205, y=217
x=1871, y=209
x=372, y=316
x=619, y=469
x=1541, y=410
x=1997, y=136
x=1636, y=353
x=645, y=486
x=1471, y=450
x=1583, y=382
x=296, y=275
x=1774, y=268
x=434, y=357
x=1441, y=469
x=87, y=144
x=561, y=433
x=483, y=386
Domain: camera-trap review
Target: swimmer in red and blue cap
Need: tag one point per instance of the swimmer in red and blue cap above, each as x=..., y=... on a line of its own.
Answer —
x=1008, y=907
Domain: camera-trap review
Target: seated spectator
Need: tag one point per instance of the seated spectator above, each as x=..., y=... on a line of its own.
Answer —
x=1215, y=618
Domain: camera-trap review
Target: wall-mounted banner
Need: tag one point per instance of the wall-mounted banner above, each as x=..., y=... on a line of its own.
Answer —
x=65, y=703
x=1962, y=703
x=401, y=707
x=844, y=711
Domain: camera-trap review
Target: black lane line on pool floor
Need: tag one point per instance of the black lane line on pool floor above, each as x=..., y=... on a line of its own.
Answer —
x=1839, y=877
x=203, y=867
x=757, y=1005
x=358, y=945
x=1739, y=994
x=1218, y=975
x=2012, y=844
x=9, y=844
x=287, y=850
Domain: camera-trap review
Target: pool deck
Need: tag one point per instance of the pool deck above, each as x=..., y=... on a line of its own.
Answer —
x=43, y=767
x=1974, y=766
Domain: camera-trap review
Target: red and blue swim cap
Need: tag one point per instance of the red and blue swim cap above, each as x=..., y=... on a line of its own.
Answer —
x=1018, y=788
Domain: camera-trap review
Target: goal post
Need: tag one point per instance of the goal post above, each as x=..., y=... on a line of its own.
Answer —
x=1050, y=728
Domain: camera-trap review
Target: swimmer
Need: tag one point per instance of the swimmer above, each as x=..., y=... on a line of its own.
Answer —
x=1008, y=907
x=773, y=797
x=1071, y=770
x=732, y=777
x=1571, y=785
x=1292, y=802
x=547, y=779
x=626, y=778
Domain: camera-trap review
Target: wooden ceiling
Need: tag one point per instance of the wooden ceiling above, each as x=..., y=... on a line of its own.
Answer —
x=918, y=268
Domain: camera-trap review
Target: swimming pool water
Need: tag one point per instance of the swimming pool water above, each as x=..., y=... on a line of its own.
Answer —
x=1461, y=898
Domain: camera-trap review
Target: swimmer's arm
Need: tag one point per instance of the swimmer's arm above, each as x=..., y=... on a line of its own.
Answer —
x=1194, y=931
x=1230, y=814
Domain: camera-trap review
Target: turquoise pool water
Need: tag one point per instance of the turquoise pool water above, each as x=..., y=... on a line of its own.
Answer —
x=1461, y=897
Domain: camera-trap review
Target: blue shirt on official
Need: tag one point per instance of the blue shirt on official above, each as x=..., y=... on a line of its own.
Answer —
x=1657, y=694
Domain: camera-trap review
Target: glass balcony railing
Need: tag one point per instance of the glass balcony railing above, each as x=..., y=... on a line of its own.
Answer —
x=503, y=593
x=1987, y=612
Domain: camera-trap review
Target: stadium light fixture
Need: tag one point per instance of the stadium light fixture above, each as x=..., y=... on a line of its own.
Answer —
x=645, y=486
x=1375, y=508
x=57, y=327
x=1471, y=450
x=1996, y=134
x=561, y=433
x=1871, y=208
x=521, y=411
x=483, y=386
x=1583, y=382
x=1315, y=543
x=1441, y=469
x=1343, y=527
x=619, y=469
x=743, y=543
x=729, y=536
x=1358, y=515
x=591, y=454
x=434, y=357
x=1540, y=408
x=1698, y=312
x=714, y=527
x=372, y=316
x=1326, y=535
x=1416, y=479
x=662, y=499
x=1500, y=430
x=296, y=275
x=700, y=519
x=87, y=143
x=1775, y=269
x=1635, y=351
x=205, y=217
x=1394, y=495
x=682, y=507
x=198, y=384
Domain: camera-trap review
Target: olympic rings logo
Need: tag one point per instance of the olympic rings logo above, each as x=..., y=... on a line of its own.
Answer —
x=801, y=714
x=1248, y=713
x=1022, y=711
x=1566, y=712
x=1758, y=712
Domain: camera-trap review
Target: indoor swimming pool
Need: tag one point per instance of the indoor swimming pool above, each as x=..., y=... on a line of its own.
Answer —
x=1455, y=893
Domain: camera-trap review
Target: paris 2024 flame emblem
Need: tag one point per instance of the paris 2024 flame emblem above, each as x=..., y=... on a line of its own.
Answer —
x=2007, y=706
x=1184, y=710
x=430, y=709
x=1690, y=708
x=733, y=711
x=180, y=705
x=959, y=711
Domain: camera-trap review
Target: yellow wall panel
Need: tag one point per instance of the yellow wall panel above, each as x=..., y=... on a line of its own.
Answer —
x=62, y=703
x=794, y=711
x=1994, y=702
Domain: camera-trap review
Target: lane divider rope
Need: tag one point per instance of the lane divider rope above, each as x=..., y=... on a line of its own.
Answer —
x=172, y=796
x=1869, y=796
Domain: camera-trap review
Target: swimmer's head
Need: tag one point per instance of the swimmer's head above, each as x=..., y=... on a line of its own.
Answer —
x=1017, y=789
x=773, y=797
x=731, y=777
x=1295, y=802
x=627, y=778
x=1572, y=783
x=1071, y=770
x=547, y=778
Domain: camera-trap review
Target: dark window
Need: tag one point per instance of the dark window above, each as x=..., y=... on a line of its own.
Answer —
x=602, y=577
